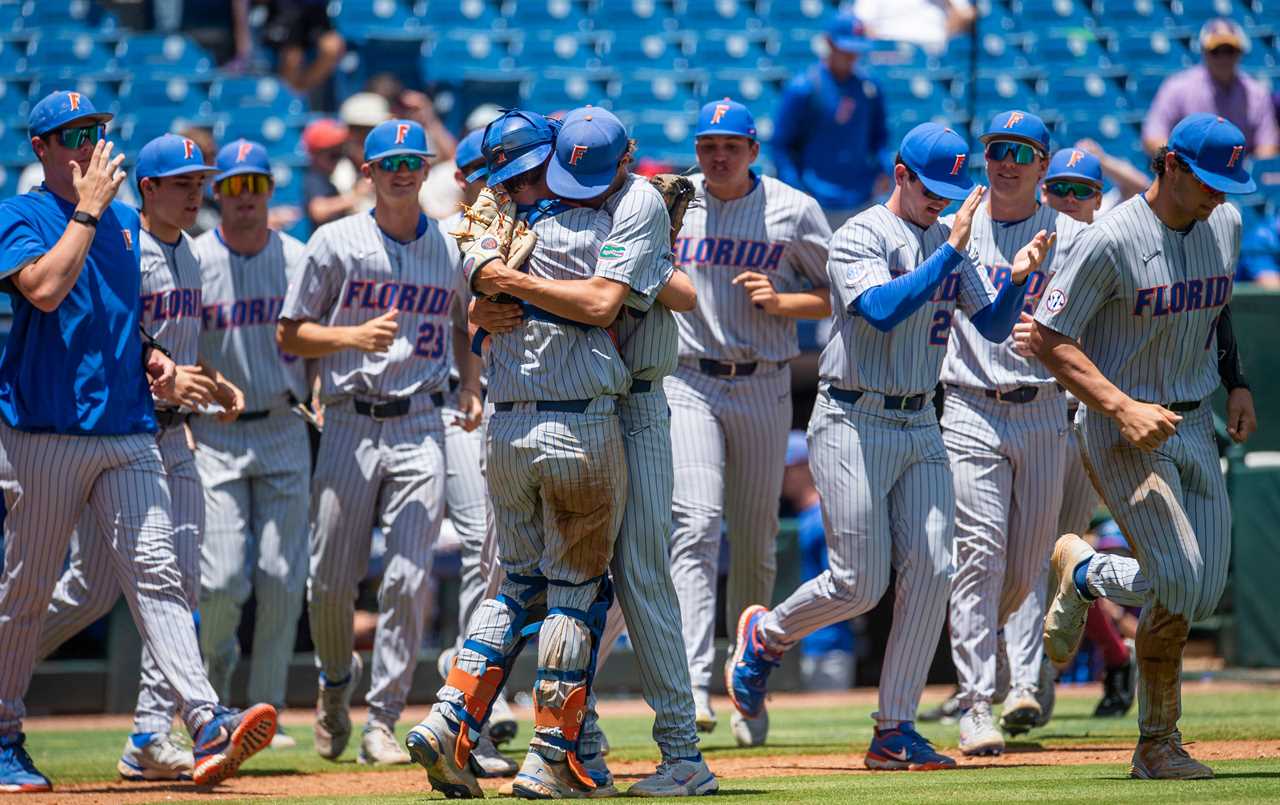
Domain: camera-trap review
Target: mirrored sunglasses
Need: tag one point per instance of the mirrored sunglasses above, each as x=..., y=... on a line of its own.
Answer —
x=393, y=164
x=244, y=183
x=1080, y=190
x=77, y=136
x=1020, y=153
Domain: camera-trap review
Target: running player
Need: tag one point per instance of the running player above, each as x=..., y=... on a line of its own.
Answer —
x=256, y=470
x=1129, y=325
x=376, y=303
x=71, y=260
x=877, y=453
x=756, y=250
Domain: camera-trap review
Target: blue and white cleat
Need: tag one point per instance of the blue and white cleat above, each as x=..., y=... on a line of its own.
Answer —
x=904, y=749
x=431, y=744
x=229, y=739
x=18, y=773
x=747, y=675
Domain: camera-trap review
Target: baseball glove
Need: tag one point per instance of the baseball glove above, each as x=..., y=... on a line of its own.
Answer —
x=677, y=192
x=490, y=231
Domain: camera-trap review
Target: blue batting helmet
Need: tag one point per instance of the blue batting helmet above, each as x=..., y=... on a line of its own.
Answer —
x=517, y=142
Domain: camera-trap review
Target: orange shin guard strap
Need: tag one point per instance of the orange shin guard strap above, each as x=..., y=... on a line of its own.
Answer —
x=478, y=693
x=568, y=719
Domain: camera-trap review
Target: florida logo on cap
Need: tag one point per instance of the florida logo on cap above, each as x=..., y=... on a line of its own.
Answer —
x=718, y=115
x=188, y=148
x=1075, y=158
x=74, y=98
x=579, y=151
x=243, y=151
x=960, y=158
x=1236, y=152
x=402, y=131
x=1014, y=119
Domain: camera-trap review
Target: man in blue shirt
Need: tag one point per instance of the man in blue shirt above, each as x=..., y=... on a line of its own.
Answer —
x=77, y=425
x=830, y=126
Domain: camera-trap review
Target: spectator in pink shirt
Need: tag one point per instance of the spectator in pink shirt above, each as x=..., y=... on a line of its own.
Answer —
x=1218, y=87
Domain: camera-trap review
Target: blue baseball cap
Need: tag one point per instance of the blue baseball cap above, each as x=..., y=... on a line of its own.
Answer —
x=242, y=156
x=516, y=142
x=725, y=117
x=938, y=155
x=61, y=107
x=393, y=138
x=1019, y=126
x=1214, y=149
x=1075, y=163
x=588, y=148
x=468, y=152
x=170, y=155
x=847, y=33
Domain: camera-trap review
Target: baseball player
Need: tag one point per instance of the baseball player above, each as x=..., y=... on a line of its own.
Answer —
x=875, y=448
x=557, y=481
x=256, y=470
x=170, y=175
x=1004, y=425
x=376, y=304
x=76, y=386
x=467, y=504
x=633, y=270
x=1129, y=326
x=756, y=250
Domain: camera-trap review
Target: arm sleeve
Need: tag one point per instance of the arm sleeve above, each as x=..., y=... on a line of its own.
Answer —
x=1230, y=368
x=789, y=122
x=885, y=306
x=314, y=292
x=20, y=243
x=635, y=250
x=995, y=321
x=808, y=252
x=1086, y=281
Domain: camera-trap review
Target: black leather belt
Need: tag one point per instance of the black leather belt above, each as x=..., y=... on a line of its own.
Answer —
x=641, y=386
x=1022, y=394
x=560, y=406
x=250, y=416
x=1183, y=407
x=392, y=408
x=170, y=417
x=913, y=402
x=726, y=368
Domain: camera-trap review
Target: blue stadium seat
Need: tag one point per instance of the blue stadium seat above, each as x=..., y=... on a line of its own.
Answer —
x=567, y=49
x=399, y=53
x=1083, y=87
x=15, y=145
x=788, y=13
x=74, y=54
x=175, y=97
x=795, y=48
x=654, y=91
x=13, y=58
x=704, y=14
x=163, y=54
x=1044, y=13
x=136, y=130
x=230, y=94
x=1266, y=173
x=11, y=18
x=1000, y=88
x=1201, y=10
x=447, y=14
x=1155, y=48
x=758, y=89
x=1071, y=48
x=663, y=49
x=1003, y=52
x=733, y=48
x=634, y=15
x=1143, y=84
x=1124, y=14
x=358, y=19
x=49, y=15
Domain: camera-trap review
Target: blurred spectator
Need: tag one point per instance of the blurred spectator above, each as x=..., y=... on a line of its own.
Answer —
x=359, y=113
x=1218, y=87
x=1260, y=254
x=296, y=29
x=830, y=126
x=927, y=23
x=827, y=658
x=325, y=140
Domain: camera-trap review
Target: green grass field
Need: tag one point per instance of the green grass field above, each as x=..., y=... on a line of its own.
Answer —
x=85, y=757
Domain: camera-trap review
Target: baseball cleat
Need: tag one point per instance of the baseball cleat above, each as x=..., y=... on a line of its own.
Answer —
x=704, y=718
x=1165, y=759
x=946, y=713
x=1003, y=675
x=1117, y=690
x=540, y=778
x=978, y=734
x=154, y=756
x=333, y=712
x=1064, y=621
x=601, y=774
x=1046, y=690
x=487, y=761
x=747, y=675
x=378, y=747
x=18, y=773
x=431, y=745
x=750, y=731
x=502, y=724
x=677, y=777
x=229, y=739
x=904, y=749
x=1021, y=711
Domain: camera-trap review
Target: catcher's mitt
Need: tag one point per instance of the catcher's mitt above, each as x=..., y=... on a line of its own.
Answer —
x=489, y=231
x=677, y=192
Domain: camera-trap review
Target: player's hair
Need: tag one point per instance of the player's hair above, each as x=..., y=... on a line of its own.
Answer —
x=1157, y=161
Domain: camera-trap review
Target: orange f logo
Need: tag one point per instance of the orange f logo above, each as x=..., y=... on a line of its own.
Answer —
x=1236, y=153
x=188, y=148
x=960, y=158
x=719, y=113
x=1076, y=156
x=402, y=130
x=1014, y=119
x=74, y=97
x=579, y=151
x=243, y=151
x=128, y=239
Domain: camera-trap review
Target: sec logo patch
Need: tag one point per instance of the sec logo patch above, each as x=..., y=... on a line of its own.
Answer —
x=489, y=243
x=1056, y=300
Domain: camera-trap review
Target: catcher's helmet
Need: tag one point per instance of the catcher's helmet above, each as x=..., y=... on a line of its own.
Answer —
x=517, y=142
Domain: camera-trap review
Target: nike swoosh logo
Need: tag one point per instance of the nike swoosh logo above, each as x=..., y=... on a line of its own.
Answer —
x=901, y=755
x=221, y=736
x=686, y=780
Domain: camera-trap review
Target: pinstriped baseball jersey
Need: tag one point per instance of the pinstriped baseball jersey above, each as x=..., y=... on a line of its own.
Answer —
x=243, y=296
x=870, y=249
x=973, y=361
x=1143, y=299
x=352, y=272
x=550, y=360
x=170, y=295
x=775, y=230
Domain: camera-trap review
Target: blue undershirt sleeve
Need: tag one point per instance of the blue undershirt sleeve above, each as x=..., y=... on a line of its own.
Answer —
x=995, y=321
x=886, y=306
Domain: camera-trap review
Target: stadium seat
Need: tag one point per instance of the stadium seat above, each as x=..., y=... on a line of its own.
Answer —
x=162, y=54
x=71, y=54
x=786, y=13
x=662, y=49
x=1052, y=13
x=358, y=19
x=175, y=96
x=1131, y=14
x=51, y=15
x=1266, y=172
x=1071, y=48
x=230, y=94
x=569, y=49
x=733, y=48
x=447, y=14
x=703, y=14
x=1155, y=48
